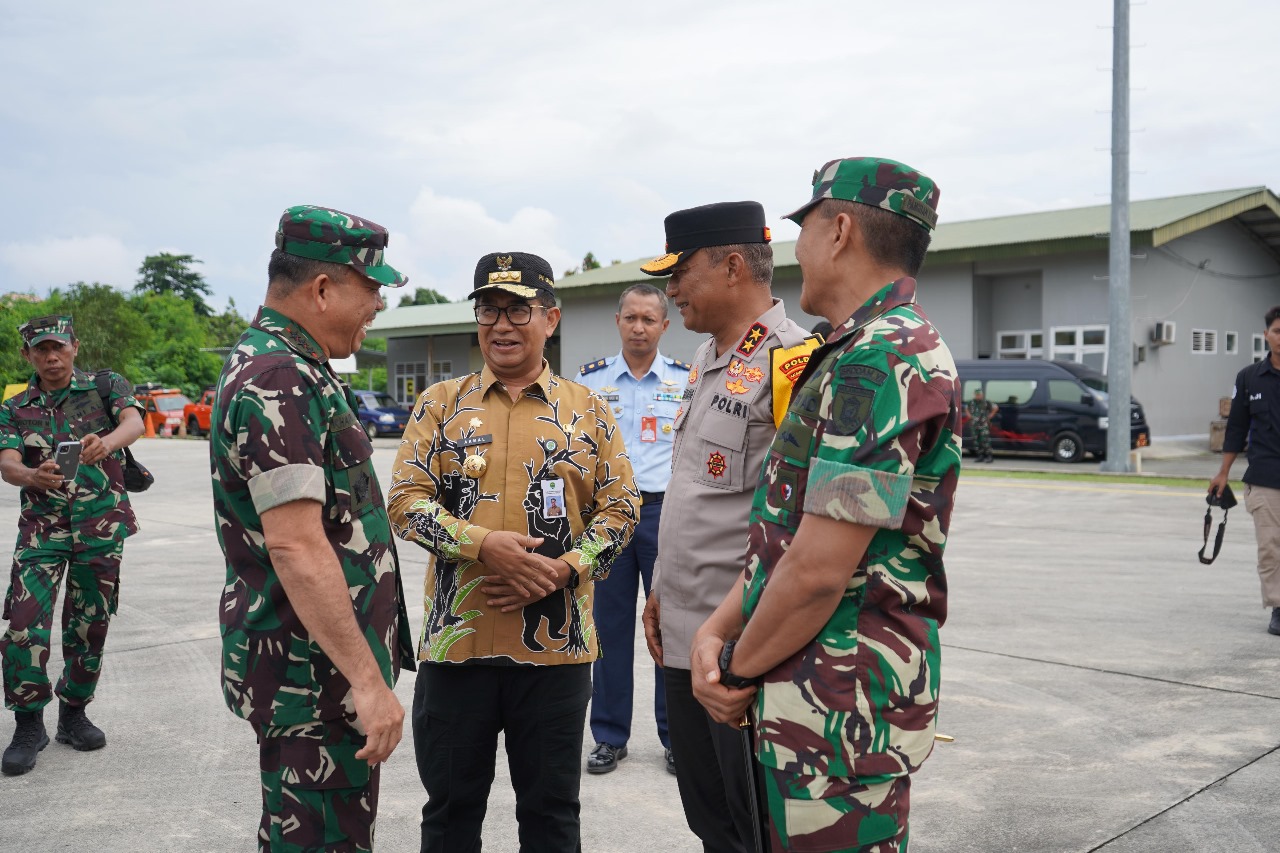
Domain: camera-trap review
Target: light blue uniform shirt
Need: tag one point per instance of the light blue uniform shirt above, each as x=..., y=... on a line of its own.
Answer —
x=657, y=394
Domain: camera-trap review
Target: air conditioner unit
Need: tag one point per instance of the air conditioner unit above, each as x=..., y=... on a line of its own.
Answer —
x=1163, y=333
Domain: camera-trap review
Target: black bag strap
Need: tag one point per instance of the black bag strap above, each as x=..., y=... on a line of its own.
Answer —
x=1217, y=542
x=102, y=387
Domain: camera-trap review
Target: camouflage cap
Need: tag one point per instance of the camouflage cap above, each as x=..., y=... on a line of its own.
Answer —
x=520, y=273
x=878, y=182
x=725, y=223
x=324, y=234
x=54, y=327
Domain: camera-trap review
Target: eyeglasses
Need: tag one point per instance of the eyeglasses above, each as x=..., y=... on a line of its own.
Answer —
x=518, y=314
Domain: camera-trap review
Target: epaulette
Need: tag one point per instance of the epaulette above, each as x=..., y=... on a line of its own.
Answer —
x=680, y=364
x=592, y=367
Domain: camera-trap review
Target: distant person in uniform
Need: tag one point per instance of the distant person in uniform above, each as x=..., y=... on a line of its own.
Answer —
x=1254, y=420
x=720, y=265
x=74, y=528
x=643, y=387
x=831, y=634
x=981, y=411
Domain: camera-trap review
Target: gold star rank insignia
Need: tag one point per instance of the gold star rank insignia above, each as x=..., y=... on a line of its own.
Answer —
x=752, y=339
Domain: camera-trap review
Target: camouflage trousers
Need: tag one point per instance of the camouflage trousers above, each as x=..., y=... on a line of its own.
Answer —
x=823, y=814
x=93, y=589
x=981, y=439
x=317, y=797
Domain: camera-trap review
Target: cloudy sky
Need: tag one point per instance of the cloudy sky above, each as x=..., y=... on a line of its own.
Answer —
x=134, y=127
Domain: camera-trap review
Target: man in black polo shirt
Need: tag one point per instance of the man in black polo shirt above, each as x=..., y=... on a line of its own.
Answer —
x=1255, y=417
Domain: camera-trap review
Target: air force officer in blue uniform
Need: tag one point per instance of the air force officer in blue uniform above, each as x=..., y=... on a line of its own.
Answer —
x=644, y=389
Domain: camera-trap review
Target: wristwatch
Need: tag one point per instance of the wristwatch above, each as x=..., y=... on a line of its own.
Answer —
x=727, y=678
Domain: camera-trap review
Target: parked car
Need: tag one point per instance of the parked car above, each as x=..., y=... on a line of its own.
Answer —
x=381, y=414
x=197, y=414
x=1055, y=407
x=164, y=408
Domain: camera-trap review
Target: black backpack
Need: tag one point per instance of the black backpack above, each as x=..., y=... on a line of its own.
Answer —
x=136, y=476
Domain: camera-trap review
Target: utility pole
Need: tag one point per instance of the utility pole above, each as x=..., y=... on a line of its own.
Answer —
x=1120, y=338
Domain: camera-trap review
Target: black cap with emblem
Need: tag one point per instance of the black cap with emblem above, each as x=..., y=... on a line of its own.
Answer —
x=725, y=223
x=515, y=272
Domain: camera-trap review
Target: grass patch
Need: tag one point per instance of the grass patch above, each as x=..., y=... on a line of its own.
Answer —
x=1140, y=479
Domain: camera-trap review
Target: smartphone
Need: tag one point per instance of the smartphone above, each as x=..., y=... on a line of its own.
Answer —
x=67, y=458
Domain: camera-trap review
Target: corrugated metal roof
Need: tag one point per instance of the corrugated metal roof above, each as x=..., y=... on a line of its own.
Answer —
x=1152, y=221
x=441, y=318
x=1147, y=215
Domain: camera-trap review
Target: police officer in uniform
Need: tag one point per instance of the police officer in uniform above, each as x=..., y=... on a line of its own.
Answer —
x=720, y=265
x=643, y=387
x=75, y=526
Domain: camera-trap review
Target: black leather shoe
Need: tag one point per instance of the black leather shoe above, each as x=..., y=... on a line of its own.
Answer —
x=604, y=758
x=671, y=761
x=1274, y=627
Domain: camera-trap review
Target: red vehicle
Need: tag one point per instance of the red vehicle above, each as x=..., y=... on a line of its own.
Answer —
x=197, y=414
x=164, y=408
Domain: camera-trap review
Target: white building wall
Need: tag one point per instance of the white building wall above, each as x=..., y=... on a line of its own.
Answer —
x=1180, y=389
x=946, y=295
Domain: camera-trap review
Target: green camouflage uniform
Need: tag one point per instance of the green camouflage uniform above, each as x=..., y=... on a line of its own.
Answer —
x=979, y=412
x=79, y=528
x=284, y=428
x=872, y=437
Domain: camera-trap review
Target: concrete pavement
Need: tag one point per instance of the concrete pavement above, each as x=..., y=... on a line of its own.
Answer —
x=1106, y=691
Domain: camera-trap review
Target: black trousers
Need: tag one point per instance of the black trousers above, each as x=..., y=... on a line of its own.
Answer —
x=711, y=770
x=457, y=714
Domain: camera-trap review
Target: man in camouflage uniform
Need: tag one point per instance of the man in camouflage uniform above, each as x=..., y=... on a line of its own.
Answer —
x=78, y=527
x=518, y=483
x=981, y=411
x=314, y=629
x=720, y=265
x=848, y=526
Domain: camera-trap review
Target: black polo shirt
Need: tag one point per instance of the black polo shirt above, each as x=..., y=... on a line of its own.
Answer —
x=1255, y=416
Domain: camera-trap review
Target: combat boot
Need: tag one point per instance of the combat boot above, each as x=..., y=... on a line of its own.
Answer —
x=74, y=728
x=28, y=739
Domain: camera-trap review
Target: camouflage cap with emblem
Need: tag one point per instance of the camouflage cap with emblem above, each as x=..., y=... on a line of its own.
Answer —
x=520, y=273
x=877, y=182
x=324, y=234
x=725, y=223
x=54, y=327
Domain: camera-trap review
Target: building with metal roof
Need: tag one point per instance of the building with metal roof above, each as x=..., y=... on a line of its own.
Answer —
x=1205, y=270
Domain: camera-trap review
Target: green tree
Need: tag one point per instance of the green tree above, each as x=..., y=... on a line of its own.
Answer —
x=13, y=313
x=589, y=262
x=110, y=331
x=424, y=296
x=176, y=353
x=166, y=273
x=223, y=330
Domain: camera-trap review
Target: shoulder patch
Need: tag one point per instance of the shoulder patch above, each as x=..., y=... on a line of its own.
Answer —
x=592, y=367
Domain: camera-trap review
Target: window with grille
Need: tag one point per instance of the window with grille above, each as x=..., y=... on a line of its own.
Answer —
x=1259, y=348
x=1232, y=342
x=1204, y=341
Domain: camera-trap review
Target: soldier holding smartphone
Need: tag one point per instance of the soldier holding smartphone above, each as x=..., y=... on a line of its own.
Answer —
x=75, y=525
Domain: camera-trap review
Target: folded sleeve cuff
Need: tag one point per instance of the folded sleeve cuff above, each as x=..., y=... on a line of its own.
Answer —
x=286, y=484
x=860, y=495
